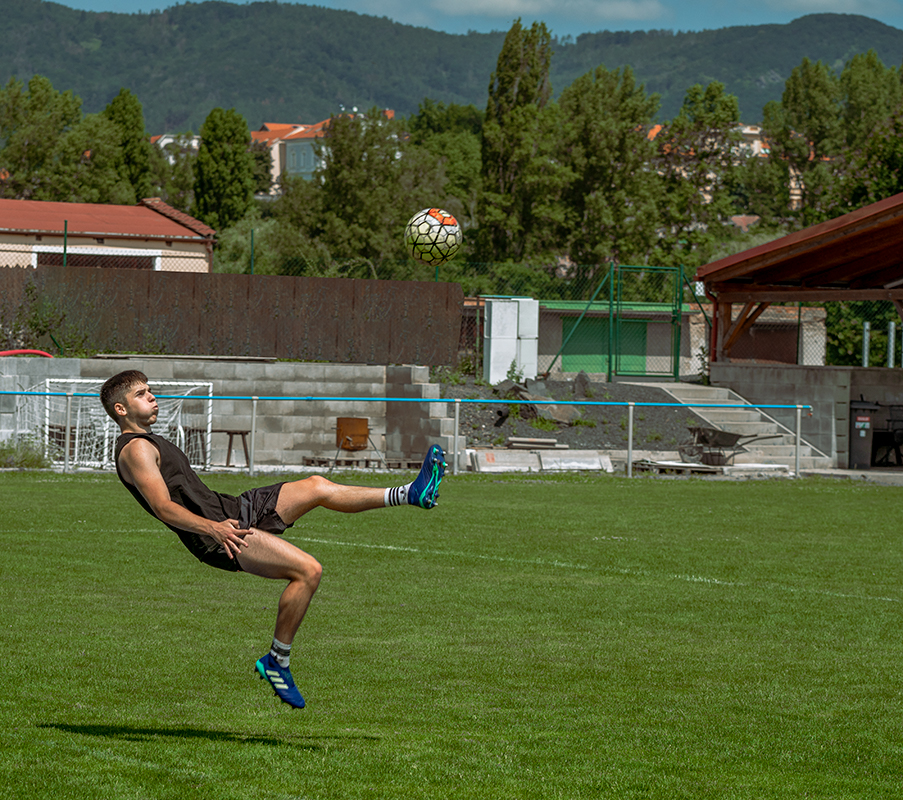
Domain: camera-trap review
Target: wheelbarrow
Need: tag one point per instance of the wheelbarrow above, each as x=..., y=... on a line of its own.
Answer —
x=716, y=447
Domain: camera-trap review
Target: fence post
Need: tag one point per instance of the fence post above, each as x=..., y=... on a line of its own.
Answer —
x=253, y=434
x=799, y=425
x=454, y=469
x=630, y=440
x=866, y=334
x=891, y=343
x=68, y=436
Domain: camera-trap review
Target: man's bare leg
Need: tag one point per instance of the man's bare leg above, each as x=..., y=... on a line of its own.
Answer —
x=299, y=497
x=270, y=556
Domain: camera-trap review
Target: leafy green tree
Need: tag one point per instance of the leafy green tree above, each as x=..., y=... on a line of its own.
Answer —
x=518, y=210
x=278, y=248
x=88, y=166
x=696, y=158
x=51, y=152
x=437, y=117
x=33, y=121
x=224, y=170
x=172, y=171
x=125, y=112
x=451, y=134
x=760, y=185
x=870, y=93
x=870, y=173
x=611, y=198
x=369, y=183
x=263, y=167
x=805, y=127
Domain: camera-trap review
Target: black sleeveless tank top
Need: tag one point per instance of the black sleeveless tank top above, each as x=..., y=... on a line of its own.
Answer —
x=185, y=487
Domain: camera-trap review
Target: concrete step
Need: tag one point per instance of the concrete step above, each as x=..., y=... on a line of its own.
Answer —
x=806, y=462
x=729, y=416
x=743, y=419
x=758, y=428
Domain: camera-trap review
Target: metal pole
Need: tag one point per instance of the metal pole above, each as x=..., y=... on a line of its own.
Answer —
x=252, y=251
x=799, y=425
x=65, y=239
x=630, y=440
x=866, y=332
x=454, y=469
x=253, y=434
x=891, y=343
x=67, y=438
x=611, y=321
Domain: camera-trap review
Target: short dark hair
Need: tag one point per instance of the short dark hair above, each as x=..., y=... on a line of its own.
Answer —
x=115, y=389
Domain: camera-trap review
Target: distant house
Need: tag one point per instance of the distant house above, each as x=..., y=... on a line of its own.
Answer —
x=292, y=148
x=169, y=142
x=150, y=235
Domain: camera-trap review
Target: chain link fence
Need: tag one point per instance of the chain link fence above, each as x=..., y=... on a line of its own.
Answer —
x=850, y=334
x=170, y=258
x=863, y=333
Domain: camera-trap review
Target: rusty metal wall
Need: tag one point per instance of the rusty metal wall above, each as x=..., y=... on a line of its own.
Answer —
x=307, y=319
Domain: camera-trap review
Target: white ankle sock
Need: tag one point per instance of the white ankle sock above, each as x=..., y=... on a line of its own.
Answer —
x=397, y=495
x=281, y=652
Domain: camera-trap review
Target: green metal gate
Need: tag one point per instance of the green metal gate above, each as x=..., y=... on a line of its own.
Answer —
x=635, y=332
x=647, y=316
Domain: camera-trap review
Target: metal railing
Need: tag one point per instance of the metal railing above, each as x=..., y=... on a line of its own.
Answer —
x=631, y=406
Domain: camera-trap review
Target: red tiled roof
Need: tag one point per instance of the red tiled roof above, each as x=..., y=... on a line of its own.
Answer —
x=151, y=218
x=310, y=131
x=178, y=216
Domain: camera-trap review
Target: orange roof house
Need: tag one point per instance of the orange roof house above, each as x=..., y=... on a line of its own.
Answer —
x=149, y=235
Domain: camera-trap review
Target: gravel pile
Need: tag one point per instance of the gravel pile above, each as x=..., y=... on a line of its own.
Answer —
x=595, y=427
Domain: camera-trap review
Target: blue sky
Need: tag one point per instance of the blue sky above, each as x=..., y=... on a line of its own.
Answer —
x=573, y=17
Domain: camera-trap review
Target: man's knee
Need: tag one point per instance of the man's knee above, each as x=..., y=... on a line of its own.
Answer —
x=312, y=490
x=314, y=571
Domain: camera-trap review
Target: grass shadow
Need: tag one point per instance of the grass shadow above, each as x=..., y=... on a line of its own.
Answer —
x=139, y=734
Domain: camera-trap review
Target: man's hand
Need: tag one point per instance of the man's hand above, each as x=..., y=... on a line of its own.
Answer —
x=229, y=535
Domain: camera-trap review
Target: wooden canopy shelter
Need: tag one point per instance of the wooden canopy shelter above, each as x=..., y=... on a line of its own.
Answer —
x=858, y=256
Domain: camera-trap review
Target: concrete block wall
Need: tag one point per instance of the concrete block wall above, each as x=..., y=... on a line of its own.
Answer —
x=287, y=431
x=412, y=427
x=829, y=390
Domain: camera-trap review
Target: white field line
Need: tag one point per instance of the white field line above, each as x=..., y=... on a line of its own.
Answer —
x=570, y=565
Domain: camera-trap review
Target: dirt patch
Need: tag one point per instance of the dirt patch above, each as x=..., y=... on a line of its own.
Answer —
x=601, y=423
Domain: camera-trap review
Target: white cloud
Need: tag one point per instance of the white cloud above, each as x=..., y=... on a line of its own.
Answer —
x=585, y=10
x=867, y=8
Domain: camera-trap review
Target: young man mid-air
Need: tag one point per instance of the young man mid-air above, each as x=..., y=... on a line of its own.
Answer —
x=241, y=534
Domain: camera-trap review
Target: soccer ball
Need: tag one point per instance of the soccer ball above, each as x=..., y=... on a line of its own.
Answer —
x=432, y=236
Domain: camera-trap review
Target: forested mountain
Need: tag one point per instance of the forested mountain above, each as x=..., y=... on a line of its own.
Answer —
x=294, y=63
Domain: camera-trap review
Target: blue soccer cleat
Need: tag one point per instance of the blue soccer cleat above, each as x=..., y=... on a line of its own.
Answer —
x=424, y=491
x=281, y=680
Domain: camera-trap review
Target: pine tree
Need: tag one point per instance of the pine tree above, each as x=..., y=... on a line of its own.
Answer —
x=612, y=197
x=518, y=207
x=224, y=171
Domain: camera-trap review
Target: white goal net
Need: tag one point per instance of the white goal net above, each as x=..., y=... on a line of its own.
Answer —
x=46, y=411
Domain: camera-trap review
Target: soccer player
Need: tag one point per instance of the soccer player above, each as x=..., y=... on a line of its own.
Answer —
x=242, y=533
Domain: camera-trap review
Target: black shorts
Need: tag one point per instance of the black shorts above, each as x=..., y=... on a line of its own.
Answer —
x=257, y=509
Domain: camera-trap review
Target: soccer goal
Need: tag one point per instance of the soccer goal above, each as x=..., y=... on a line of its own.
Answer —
x=46, y=411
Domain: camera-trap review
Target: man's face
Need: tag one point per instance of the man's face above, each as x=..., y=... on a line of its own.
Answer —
x=141, y=405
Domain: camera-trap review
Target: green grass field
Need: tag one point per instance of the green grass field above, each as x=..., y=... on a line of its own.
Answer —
x=532, y=637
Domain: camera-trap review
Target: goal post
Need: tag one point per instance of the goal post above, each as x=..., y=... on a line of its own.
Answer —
x=45, y=411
